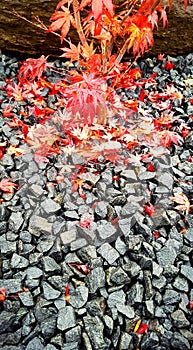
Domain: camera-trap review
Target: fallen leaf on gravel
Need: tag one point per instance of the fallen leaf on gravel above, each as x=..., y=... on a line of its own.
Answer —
x=17, y=151
x=66, y=293
x=2, y=294
x=81, y=267
x=149, y=209
x=143, y=328
x=183, y=201
x=7, y=186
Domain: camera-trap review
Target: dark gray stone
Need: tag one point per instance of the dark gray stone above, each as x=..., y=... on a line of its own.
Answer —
x=18, y=262
x=126, y=310
x=35, y=343
x=15, y=221
x=50, y=206
x=166, y=256
x=96, y=307
x=179, y=319
x=106, y=230
x=6, y=320
x=73, y=335
x=48, y=327
x=26, y=298
x=94, y=328
x=49, y=292
x=116, y=298
x=3, y=227
x=132, y=268
x=178, y=341
x=187, y=271
x=66, y=318
x=171, y=297
x=87, y=253
x=79, y=297
x=150, y=342
x=181, y=284
x=96, y=279
x=119, y=276
x=108, y=253
x=50, y=265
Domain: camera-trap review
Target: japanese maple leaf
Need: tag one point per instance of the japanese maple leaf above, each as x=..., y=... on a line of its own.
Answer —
x=140, y=34
x=97, y=7
x=86, y=96
x=15, y=91
x=32, y=68
x=183, y=202
x=168, y=137
x=169, y=65
x=41, y=135
x=149, y=209
x=7, y=111
x=73, y=52
x=165, y=119
x=61, y=20
x=6, y=185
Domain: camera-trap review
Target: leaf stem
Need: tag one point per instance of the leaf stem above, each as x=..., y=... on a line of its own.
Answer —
x=78, y=25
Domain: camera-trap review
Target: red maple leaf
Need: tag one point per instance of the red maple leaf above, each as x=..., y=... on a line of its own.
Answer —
x=97, y=7
x=81, y=267
x=32, y=68
x=143, y=328
x=3, y=292
x=73, y=52
x=149, y=209
x=67, y=294
x=61, y=20
x=6, y=185
x=168, y=137
x=169, y=65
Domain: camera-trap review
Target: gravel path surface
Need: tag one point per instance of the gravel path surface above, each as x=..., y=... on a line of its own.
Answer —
x=98, y=272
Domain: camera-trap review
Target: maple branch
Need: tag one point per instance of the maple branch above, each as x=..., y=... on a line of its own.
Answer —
x=41, y=25
x=78, y=24
x=122, y=50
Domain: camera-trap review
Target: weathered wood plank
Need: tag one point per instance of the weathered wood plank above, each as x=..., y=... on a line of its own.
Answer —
x=18, y=36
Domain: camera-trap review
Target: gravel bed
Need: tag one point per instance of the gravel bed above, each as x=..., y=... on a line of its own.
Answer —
x=81, y=273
